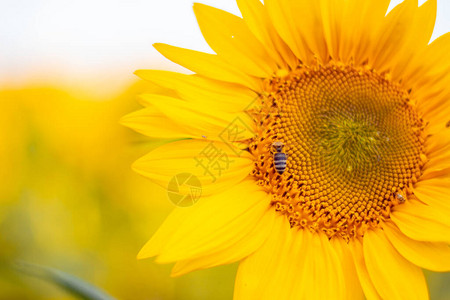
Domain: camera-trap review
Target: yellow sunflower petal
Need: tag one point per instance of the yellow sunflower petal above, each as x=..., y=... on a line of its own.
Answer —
x=369, y=17
x=393, y=276
x=437, y=154
x=431, y=100
x=366, y=283
x=436, y=55
x=437, y=168
x=439, y=119
x=230, y=38
x=257, y=20
x=349, y=26
x=416, y=38
x=268, y=275
x=435, y=193
x=209, y=65
x=430, y=64
x=197, y=121
x=353, y=26
x=346, y=23
x=255, y=17
x=421, y=222
x=437, y=151
x=420, y=30
x=181, y=220
x=353, y=287
x=221, y=95
x=159, y=239
x=309, y=23
x=217, y=222
x=217, y=165
x=438, y=172
x=427, y=255
x=332, y=12
x=438, y=144
x=322, y=261
x=263, y=274
x=437, y=163
x=148, y=122
x=248, y=244
x=284, y=19
x=423, y=25
x=295, y=271
x=393, y=35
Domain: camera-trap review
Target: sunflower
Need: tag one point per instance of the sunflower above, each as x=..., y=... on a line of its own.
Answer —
x=320, y=134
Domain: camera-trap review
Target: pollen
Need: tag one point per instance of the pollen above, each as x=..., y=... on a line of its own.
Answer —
x=354, y=145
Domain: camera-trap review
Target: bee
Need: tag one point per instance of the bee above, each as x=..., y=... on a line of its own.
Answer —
x=401, y=198
x=279, y=157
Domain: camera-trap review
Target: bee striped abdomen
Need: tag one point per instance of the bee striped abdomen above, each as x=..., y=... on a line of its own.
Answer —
x=279, y=161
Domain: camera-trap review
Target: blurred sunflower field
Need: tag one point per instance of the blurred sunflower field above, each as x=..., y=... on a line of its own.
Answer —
x=70, y=204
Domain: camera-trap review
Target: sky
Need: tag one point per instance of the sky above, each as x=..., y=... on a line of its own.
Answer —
x=99, y=43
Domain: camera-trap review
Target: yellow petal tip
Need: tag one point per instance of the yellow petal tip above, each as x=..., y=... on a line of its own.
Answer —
x=147, y=251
